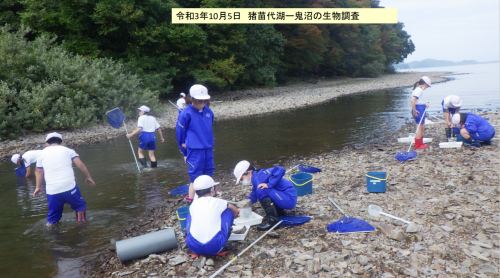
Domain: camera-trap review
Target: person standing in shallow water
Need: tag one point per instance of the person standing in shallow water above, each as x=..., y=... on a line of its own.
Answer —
x=418, y=106
x=146, y=126
x=54, y=165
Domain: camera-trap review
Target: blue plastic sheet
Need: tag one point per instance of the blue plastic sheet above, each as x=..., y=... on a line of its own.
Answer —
x=21, y=171
x=115, y=117
x=294, y=220
x=308, y=169
x=404, y=156
x=181, y=190
x=350, y=225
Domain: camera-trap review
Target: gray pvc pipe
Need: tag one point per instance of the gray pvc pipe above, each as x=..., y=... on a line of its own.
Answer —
x=141, y=246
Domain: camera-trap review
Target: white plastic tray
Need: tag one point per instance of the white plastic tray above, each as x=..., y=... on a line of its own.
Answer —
x=254, y=219
x=407, y=140
x=236, y=237
x=446, y=145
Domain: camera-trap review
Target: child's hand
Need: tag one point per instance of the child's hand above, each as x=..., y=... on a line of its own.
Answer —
x=262, y=186
x=184, y=145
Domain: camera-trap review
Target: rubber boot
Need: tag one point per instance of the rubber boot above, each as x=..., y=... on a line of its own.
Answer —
x=143, y=162
x=80, y=216
x=154, y=164
x=281, y=212
x=271, y=213
x=419, y=144
x=448, y=132
x=474, y=143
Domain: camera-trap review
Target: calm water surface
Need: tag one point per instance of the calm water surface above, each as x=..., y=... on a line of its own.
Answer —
x=29, y=249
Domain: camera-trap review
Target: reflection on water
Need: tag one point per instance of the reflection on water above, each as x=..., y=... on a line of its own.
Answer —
x=29, y=249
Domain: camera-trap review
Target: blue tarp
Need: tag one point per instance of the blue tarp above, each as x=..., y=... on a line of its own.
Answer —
x=294, y=220
x=350, y=225
x=181, y=190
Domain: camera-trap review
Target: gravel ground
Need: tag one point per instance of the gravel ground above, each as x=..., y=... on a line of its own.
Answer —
x=235, y=104
x=450, y=195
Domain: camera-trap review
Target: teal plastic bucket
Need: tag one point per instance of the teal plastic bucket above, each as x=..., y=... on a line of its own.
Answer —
x=376, y=181
x=182, y=212
x=302, y=183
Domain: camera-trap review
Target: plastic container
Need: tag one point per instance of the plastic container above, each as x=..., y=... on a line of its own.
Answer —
x=452, y=139
x=302, y=183
x=448, y=145
x=237, y=237
x=245, y=212
x=407, y=140
x=254, y=219
x=376, y=181
x=411, y=135
x=182, y=212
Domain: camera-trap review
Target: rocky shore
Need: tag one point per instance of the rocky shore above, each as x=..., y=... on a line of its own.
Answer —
x=451, y=196
x=233, y=105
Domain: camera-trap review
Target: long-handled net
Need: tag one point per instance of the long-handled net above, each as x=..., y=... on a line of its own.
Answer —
x=115, y=119
x=405, y=156
x=348, y=224
x=21, y=171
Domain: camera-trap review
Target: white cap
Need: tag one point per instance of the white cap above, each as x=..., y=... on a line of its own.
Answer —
x=203, y=182
x=198, y=91
x=144, y=108
x=427, y=80
x=183, y=95
x=240, y=169
x=455, y=119
x=456, y=101
x=14, y=158
x=53, y=135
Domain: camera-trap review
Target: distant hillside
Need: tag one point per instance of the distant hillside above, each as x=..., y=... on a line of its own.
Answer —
x=429, y=63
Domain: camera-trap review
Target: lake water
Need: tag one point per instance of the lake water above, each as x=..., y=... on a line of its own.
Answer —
x=29, y=249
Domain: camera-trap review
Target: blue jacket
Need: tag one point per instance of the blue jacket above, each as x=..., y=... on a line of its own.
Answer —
x=476, y=124
x=273, y=177
x=194, y=128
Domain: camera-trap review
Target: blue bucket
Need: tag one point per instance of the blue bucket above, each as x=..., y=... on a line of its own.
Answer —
x=182, y=212
x=302, y=183
x=375, y=181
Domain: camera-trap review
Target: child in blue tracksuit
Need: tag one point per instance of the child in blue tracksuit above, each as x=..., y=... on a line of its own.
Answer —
x=195, y=136
x=474, y=128
x=274, y=193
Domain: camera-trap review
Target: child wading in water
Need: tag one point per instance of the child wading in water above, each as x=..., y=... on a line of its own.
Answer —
x=418, y=106
x=195, y=136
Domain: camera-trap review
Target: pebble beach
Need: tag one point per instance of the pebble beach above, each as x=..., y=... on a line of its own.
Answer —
x=450, y=196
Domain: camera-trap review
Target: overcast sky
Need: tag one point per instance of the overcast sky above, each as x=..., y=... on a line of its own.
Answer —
x=452, y=30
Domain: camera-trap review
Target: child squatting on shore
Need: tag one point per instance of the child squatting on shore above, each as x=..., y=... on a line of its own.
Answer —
x=147, y=125
x=54, y=165
x=195, y=136
x=209, y=221
x=274, y=193
x=418, y=106
x=474, y=128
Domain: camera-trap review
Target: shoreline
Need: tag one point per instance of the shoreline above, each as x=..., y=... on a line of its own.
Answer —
x=235, y=104
x=450, y=195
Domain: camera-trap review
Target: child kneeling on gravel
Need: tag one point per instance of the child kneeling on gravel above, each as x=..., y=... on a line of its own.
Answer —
x=209, y=221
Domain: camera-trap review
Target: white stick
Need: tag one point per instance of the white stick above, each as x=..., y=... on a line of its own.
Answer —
x=241, y=253
x=292, y=168
x=132, y=147
x=175, y=105
x=394, y=217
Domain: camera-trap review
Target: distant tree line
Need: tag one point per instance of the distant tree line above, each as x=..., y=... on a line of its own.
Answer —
x=139, y=33
x=63, y=63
